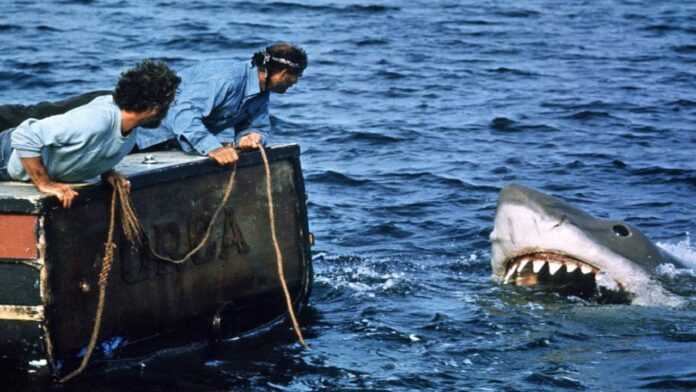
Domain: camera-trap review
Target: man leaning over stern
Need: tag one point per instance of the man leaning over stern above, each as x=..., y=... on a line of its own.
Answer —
x=89, y=140
x=223, y=101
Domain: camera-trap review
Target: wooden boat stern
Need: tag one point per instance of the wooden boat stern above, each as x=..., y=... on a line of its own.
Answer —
x=50, y=257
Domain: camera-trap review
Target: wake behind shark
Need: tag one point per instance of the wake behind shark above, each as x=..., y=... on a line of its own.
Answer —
x=540, y=240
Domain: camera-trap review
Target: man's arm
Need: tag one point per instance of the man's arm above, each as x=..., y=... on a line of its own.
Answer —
x=39, y=176
x=259, y=126
x=197, y=100
x=188, y=125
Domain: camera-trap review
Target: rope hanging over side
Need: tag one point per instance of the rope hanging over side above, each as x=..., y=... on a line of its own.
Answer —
x=134, y=233
x=279, y=256
x=107, y=262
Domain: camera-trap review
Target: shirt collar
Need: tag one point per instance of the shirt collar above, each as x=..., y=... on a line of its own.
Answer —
x=252, y=87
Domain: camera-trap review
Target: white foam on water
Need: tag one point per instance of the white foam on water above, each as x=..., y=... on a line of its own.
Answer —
x=683, y=250
x=364, y=280
x=670, y=270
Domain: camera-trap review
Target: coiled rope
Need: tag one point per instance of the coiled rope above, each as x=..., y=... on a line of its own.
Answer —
x=135, y=234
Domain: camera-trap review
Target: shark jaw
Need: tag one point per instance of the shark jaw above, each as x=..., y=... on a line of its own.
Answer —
x=565, y=275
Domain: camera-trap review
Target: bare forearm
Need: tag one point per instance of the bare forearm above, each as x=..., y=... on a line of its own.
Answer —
x=39, y=176
x=37, y=171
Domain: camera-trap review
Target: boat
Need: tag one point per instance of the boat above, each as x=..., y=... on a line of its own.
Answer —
x=50, y=258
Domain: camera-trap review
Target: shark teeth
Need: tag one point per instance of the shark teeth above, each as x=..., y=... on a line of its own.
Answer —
x=585, y=269
x=570, y=266
x=517, y=273
x=510, y=272
x=523, y=263
x=554, y=266
x=537, y=265
x=565, y=275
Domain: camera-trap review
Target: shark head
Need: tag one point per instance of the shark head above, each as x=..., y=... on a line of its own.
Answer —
x=540, y=240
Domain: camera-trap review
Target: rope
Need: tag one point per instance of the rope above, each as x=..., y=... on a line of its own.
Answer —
x=279, y=256
x=228, y=192
x=129, y=220
x=103, y=280
x=135, y=234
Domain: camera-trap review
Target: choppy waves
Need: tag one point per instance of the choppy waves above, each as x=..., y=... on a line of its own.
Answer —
x=411, y=117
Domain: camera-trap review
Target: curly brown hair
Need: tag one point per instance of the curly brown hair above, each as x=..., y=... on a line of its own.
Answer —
x=148, y=85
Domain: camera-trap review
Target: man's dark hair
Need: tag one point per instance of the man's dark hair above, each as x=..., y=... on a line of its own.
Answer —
x=278, y=57
x=148, y=85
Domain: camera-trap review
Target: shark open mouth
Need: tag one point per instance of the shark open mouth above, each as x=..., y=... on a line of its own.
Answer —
x=564, y=275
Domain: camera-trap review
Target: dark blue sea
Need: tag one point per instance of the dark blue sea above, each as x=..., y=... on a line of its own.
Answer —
x=411, y=116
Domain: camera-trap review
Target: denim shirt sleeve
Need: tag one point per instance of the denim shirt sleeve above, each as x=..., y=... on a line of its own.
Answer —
x=198, y=100
x=260, y=123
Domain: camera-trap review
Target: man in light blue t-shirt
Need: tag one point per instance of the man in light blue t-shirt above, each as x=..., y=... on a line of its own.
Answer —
x=224, y=101
x=90, y=140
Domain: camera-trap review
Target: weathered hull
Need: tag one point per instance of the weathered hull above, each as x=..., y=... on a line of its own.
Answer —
x=49, y=265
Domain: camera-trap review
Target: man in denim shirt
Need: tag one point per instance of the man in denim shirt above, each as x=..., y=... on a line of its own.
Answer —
x=224, y=101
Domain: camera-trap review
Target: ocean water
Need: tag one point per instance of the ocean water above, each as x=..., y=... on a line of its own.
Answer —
x=411, y=117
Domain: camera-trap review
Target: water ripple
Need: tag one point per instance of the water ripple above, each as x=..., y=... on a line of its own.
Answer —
x=411, y=117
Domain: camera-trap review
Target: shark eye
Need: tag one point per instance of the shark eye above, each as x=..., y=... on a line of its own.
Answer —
x=621, y=230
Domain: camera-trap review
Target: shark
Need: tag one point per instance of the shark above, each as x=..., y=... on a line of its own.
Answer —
x=539, y=240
